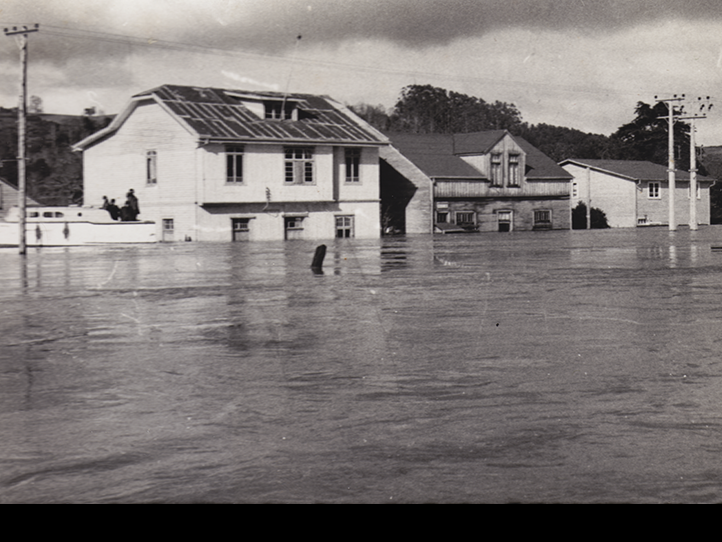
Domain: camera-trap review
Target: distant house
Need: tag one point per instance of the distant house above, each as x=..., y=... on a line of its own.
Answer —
x=9, y=197
x=483, y=181
x=635, y=193
x=215, y=164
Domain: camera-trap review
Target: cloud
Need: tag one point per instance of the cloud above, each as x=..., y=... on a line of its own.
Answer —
x=272, y=25
x=555, y=59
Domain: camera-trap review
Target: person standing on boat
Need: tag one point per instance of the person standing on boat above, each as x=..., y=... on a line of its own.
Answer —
x=132, y=203
x=106, y=203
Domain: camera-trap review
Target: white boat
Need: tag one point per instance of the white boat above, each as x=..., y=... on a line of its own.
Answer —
x=72, y=226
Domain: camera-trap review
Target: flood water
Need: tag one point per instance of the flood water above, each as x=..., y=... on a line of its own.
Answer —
x=553, y=367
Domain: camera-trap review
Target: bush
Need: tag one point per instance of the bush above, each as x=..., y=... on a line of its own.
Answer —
x=579, y=218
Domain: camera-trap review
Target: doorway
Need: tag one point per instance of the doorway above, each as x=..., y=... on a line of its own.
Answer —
x=505, y=220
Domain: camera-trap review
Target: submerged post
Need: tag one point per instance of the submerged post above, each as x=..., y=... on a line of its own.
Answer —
x=318, y=257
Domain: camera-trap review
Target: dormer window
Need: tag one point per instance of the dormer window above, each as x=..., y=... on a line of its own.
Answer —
x=514, y=170
x=495, y=172
x=278, y=110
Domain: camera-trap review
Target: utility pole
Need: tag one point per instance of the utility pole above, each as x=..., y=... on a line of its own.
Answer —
x=699, y=114
x=671, y=180
x=22, y=112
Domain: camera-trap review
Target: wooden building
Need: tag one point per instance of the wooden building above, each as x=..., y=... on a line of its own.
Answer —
x=482, y=181
x=634, y=192
x=214, y=165
x=9, y=197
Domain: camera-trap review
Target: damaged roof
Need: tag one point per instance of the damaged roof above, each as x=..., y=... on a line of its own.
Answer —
x=224, y=115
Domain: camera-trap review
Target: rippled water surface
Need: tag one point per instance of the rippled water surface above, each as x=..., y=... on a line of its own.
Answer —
x=573, y=367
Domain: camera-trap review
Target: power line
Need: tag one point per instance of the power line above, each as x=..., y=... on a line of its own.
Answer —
x=150, y=42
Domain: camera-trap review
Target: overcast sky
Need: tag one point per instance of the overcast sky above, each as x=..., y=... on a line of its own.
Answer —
x=578, y=63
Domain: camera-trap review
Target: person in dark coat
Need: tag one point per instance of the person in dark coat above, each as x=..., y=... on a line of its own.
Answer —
x=114, y=210
x=132, y=203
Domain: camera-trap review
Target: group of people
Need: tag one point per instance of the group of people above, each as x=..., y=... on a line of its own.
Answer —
x=128, y=212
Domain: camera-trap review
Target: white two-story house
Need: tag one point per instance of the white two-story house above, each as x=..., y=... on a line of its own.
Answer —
x=210, y=164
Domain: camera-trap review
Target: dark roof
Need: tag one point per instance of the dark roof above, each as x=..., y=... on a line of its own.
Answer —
x=538, y=164
x=438, y=155
x=220, y=114
x=477, y=142
x=433, y=154
x=636, y=170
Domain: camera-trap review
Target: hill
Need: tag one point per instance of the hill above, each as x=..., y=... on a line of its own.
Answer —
x=54, y=171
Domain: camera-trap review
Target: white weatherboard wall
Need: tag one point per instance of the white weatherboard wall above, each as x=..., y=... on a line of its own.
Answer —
x=626, y=201
x=265, y=199
x=114, y=165
x=616, y=196
x=657, y=210
x=193, y=192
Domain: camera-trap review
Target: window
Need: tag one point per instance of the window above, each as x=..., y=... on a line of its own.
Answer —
x=344, y=226
x=575, y=190
x=275, y=110
x=293, y=222
x=653, y=189
x=151, y=176
x=514, y=173
x=234, y=164
x=496, y=177
x=353, y=160
x=299, y=165
x=241, y=224
x=464, y=217
x=240, y=228
x=293, y=226
x=442, y=217
x=505, y=220
x=542, y=219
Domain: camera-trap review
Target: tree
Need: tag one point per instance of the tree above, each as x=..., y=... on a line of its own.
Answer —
x=375, y=115
x=560, y=143
x=36, y=105
x=427, y=109
x=646, y=137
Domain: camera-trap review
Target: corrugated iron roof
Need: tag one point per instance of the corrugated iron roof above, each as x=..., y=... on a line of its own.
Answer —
x=637, y=170
x=220, y=114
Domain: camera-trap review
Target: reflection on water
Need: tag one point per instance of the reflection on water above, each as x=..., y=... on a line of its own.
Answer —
x=524, y=367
